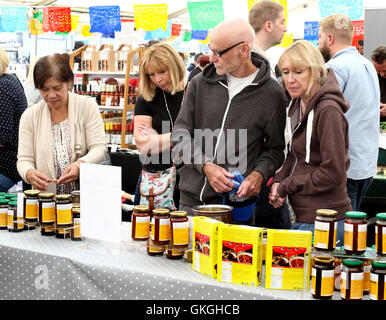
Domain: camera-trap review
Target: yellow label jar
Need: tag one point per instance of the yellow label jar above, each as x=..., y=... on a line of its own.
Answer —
x=31, y=205
x=154, y=249
x=380, y=233
x=75, y=231
x=355, y=232
x=15, y=222
x=351, y=280
x=3, y=214
x=322, y=277
x=63, y=210
x=377, y=280
x=160, y=226
x=140, y=223
x=325, y=229
x=46, y=208
x=179, y=229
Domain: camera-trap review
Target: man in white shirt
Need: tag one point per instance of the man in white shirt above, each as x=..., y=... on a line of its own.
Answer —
x=358, y=81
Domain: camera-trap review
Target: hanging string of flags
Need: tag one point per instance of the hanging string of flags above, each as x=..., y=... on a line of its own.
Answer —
x=153, y=18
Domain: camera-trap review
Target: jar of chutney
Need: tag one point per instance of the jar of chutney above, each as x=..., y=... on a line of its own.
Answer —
x=15, y=222
x=3, y=214
x=380, y=233
x=351, y=281
x=377, y=280
x=31, y=206
x=355, y=232
x=160, y=226
x=322, y=277
x=63, y=211
x=75, y=231
x=46, y=208
x=140, y=223
x=179, y=229
x=325, y=229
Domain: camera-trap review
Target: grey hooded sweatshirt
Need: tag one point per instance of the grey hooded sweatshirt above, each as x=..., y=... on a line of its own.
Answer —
x=314, y=173
x=244, y=133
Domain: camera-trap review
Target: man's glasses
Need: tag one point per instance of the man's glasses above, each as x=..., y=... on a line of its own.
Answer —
x=220, y=53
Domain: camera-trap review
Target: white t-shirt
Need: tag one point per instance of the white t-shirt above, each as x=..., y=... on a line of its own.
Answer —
x=236, y=85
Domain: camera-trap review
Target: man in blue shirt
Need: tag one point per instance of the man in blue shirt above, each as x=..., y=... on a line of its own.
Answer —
x=358, y=81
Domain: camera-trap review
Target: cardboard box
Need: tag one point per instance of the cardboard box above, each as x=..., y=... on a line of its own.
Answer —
x=121, y=57
x=106, y=58
x=240, y=254
x=89, y=59
x=287, y=264
x=205, y=240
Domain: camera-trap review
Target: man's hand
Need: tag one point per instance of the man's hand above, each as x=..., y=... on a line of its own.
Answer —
x=383, y=109
x=218, y=177
x=251, y=186
x=38, y=179
x=274, y=198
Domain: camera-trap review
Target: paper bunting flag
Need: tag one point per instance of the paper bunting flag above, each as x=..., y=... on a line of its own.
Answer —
x=352, y=8
x=105, y=19
x=86, y=31
x=311, y=29
x=160, y=33
x=205, y=15
x=74, y=22
x=206, y=41
x=199, y=34
x=176, y=29
x=151, y=17
x=359, y=31
x=187, y=36
x=14, y=19
x=57, y=19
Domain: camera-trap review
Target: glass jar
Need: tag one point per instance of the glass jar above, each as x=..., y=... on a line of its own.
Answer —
x=322, y=277
x=75, y=231
x=31, y=205
x=173, y=252
x=75, y=197
x=46, y=208
x=337, y=272
x=63, y=212
x=355, y=232
x=325, y=229
x=3, y=214
x=179, y=229
x=62, y=233
x=366, y=267
x=15, y=222
x=160, y=226
x=380, y=233
x=154, y=249
x=47, y=230
x=140, y=223
x=351, y=281
x=377, y=280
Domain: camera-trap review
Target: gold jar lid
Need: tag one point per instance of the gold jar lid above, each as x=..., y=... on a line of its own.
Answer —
x=161, y=211
x=326, y=212
x=31, y=192
x=46, y=195
x=324, y=259
x=141, y=208
x=63, y=196
x=76, y=210
x=178, y=214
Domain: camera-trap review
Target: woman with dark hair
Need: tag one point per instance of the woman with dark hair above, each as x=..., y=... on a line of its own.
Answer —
x=203, y=61
x=49, y=151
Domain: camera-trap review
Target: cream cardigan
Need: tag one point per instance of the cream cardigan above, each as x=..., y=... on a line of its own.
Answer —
x=35, y=136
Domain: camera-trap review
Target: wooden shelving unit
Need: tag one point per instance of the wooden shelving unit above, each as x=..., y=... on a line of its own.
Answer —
x=126, y=75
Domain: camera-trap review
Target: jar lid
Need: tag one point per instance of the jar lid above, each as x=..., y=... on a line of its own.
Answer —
x=12, y=203
x=326, y=212
x=381, y=216
x=324, y=259
x=141, y=208
x=31, y=192
x=3, y=201
x=178, y=214
x=352, y=262
x=46, y=195
x=10, y=195
x=161, y=211
x=356, y=214
x=379, y=263
x=63, y=196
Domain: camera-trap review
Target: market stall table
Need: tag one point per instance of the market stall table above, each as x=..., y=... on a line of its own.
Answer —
x=40, y=267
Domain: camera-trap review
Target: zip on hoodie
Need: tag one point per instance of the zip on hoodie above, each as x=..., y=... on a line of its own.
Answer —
x=222, y=129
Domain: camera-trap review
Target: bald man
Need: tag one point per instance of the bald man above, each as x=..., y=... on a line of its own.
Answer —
x=232, y=119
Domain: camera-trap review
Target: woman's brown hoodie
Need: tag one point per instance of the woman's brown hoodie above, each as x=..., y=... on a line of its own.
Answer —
x=314, y=173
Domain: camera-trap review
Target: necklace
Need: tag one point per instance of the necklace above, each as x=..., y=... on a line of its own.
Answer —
x=167, y=108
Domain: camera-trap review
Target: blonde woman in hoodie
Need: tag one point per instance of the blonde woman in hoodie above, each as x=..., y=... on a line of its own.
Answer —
x=314, y=173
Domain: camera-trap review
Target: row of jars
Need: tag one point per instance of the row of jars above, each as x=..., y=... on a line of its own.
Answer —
x=55, y=214
x=165, y=232
x=353, y=281
x=355, y=232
